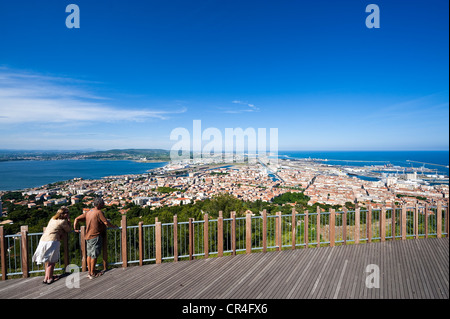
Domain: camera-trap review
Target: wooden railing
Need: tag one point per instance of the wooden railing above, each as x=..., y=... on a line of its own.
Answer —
x=160, y=242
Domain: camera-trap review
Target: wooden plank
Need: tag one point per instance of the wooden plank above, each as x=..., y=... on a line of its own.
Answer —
x=248, y=233
x=391, y=274
x=321, y=271
x=414, y=270
x=432, y=271
x=350, y=280
x=426, y=220
x=306, y=280
x=306, y=260
x=342, y=277
x=410, y=269
x=282, y=269
x=287, y=270
x=383, y=224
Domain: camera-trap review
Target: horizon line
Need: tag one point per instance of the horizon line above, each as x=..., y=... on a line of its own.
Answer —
x=285, y=150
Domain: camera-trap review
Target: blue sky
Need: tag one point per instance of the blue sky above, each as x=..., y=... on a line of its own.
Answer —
x=136, y=70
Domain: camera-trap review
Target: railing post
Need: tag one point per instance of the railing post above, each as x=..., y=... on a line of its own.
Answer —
x=447, y=219
x=65, y=240
x=191, y=239
x=104, y=250
x=141, y=246
x=332, y=227
x=233, y=233
x=220, y=235
x=426, y=220
x=416, y=221
x=344, y=225
x=357, y=224
x=278, y=231
x=3, y=252
x=24, y=250
x=175, y=238
x=248, y=233
x=369, y=224
x=404, y=212
x=83, y=248
x=123, y=224
x=206, y=235
x=294, y=227
x=264, y=215
x=158, y=247
x=305, y=228
x=439, y=220
x=383, y=224
x=393, y=221
x=318, y=226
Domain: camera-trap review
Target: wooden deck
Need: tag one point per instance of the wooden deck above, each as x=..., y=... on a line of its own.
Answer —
x=408, y=270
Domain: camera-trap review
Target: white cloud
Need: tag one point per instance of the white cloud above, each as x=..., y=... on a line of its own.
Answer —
x=247, y=108
x=35, y=98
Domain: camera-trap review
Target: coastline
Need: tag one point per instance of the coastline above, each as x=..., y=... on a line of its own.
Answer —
x=340, y=160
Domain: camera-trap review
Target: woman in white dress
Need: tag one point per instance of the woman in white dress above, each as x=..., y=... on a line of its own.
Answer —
x=48, y=250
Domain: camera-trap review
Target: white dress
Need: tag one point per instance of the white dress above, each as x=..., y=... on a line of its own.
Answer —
x=49, y=245
x=47, y=251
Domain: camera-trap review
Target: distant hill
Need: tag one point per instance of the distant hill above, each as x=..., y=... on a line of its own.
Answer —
x=115, y=154
x=134, y=154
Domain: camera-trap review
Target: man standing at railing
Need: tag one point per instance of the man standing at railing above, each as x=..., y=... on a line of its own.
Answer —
x=96, y=225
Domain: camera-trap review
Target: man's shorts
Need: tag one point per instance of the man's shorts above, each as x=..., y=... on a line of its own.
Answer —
x=94, y=246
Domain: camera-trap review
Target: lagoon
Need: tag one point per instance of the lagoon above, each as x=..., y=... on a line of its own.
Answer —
x=18, y=175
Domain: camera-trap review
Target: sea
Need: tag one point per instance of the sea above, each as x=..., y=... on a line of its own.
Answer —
x=19, y=175
x=438, y=161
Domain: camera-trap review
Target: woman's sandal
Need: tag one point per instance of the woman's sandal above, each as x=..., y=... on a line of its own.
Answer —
x=95, y=275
